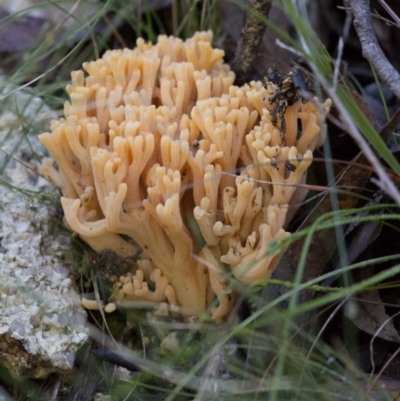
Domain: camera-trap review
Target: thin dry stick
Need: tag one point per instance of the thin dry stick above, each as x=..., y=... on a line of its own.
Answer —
x=174, y=11
x=370, y=46
x=396, y=19
x=203, y=15
x=250, y=39
x=371, y=345
x=342, y=41
x=324, y=326
x=384, y=182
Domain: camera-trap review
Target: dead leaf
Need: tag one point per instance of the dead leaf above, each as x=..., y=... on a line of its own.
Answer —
x=372, y=317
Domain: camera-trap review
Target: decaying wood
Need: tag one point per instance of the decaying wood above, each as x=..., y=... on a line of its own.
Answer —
x=250, y=39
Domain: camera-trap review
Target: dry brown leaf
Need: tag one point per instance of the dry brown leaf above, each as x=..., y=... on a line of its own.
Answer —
x=372, y=318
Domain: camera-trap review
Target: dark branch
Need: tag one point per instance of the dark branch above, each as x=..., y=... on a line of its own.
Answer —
x=370, y=46
x=250, y=39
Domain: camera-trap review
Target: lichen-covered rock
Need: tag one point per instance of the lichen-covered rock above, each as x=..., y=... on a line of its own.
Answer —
x=42, y=322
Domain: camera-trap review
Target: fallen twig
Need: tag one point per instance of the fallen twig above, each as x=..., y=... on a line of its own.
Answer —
x=250, y=39
x=370, y=46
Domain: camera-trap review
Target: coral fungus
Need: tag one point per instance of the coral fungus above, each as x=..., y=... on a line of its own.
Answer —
x=158, y=138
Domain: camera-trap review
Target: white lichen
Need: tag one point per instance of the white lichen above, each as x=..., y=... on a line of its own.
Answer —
x=41, y=320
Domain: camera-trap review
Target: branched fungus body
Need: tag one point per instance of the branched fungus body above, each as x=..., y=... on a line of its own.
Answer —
x=156, y=140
